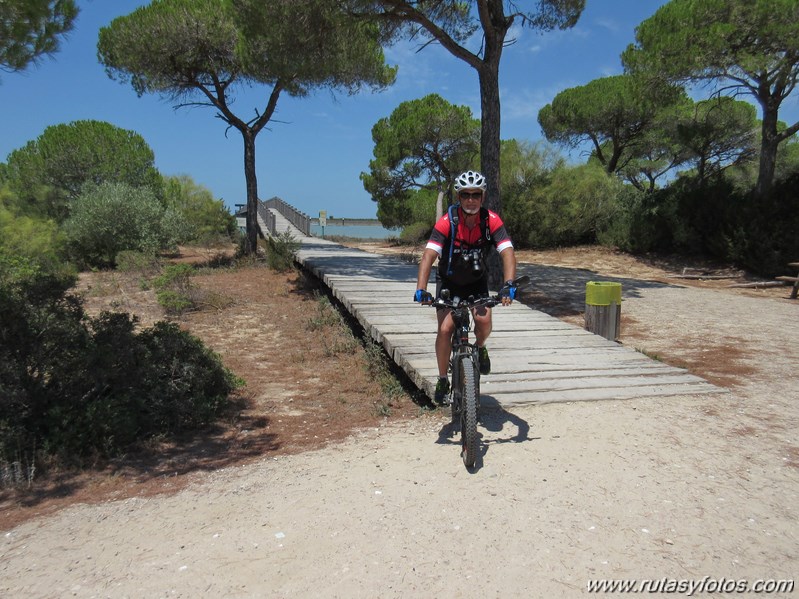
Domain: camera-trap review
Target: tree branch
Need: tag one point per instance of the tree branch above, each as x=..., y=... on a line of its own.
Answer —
x=401, y=11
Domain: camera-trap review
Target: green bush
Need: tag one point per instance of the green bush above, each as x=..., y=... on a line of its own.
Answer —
x=281, y=251
x=75, y=386
x=569, y=205
x=641, y=222
x=135, y=386
x=174, y=229
x=757, y=233
x=36, y=238
x=186, y=383
x=205, y=219
x=720, y=218
x=577, y=203
x=112, y=217
x=416, y=233
x=174, y=289
x=413, y=205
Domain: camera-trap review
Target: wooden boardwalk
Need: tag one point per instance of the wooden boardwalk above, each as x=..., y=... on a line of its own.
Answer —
x=535, y=358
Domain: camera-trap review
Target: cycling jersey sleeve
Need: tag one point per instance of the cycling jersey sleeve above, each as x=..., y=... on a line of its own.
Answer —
x=498, y=232
x=439, y=235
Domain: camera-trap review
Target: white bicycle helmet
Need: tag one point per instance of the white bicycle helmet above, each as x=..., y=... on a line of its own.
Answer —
x=470, y=180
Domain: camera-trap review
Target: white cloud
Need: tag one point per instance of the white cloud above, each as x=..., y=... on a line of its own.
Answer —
x=609, y=24
x=525, y=103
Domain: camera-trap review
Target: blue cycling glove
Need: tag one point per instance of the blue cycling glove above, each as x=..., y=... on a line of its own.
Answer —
x=422, y=296
x=508, y=290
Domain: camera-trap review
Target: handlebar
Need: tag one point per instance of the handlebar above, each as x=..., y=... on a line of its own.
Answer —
x=471, y=301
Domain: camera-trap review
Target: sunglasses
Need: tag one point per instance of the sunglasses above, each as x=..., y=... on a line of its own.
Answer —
x=474, y=195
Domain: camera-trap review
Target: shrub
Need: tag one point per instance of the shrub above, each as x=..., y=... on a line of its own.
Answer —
x=281, y=251
x=206, y=219
x=757, y=233
x=641, y=222
x=112, y=217
x=569, y=205
x=416, y=233
x=133, y=261
x=184, y=381
x=75, y=386
x=174, y=289
x=174, y=229
x=33, y=237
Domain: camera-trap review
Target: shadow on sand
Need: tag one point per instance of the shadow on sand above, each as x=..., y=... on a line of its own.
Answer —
x=493, y=418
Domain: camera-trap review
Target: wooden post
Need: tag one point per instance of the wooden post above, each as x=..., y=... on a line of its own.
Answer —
x=603, y=309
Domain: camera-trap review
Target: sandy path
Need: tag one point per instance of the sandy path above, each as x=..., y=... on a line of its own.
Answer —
x=680, y=487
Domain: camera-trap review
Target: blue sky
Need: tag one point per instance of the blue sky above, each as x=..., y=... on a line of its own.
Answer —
x=312, y=158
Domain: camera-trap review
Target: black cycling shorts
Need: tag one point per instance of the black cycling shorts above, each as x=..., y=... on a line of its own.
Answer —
x=479, y=289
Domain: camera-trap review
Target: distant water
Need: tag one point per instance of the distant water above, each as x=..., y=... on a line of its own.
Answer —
x=358, y=231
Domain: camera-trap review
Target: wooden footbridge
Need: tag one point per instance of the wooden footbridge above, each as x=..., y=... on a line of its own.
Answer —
x=535, y=358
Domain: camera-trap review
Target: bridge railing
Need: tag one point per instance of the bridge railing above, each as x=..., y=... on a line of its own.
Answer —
x=295, y=217
x=268, y=218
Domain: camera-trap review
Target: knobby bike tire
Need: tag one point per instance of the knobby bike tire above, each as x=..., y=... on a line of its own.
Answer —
x=456, y=393
x=469, y=402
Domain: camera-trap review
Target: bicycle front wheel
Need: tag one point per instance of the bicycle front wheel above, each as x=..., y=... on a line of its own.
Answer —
x=469, y=406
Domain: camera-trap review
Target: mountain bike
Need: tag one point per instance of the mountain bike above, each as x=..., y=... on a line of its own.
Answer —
x=464, y=367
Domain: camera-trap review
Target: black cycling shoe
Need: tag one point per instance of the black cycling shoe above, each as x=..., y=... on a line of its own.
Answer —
x=442, y=391
x=485, y=361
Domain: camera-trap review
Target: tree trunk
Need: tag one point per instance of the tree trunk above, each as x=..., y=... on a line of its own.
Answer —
x=768, y=148
x=490, y=128
x=701, y=168
x=489, y=154
x=251, y=244
x=490, y=136
x=613, y=163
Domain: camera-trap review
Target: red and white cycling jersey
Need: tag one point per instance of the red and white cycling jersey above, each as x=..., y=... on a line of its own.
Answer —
x=489, y=230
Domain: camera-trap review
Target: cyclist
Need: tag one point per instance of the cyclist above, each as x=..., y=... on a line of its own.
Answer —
x=460, y=241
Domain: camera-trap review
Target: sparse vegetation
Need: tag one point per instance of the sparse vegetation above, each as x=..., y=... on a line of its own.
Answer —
x=174, y=289
x=379, y=369
x=281, y=250
x=72, y=385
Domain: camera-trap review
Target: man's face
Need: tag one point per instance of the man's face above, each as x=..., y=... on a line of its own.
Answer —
x=471, y=200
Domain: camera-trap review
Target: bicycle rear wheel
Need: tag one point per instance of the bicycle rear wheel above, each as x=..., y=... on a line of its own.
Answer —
x=469, y=405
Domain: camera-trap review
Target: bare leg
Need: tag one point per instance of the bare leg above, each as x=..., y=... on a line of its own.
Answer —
x=446, y=325
x=482, y=324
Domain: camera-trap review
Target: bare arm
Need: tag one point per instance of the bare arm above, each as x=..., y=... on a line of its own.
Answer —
x=425, y=266
x=508, y=257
